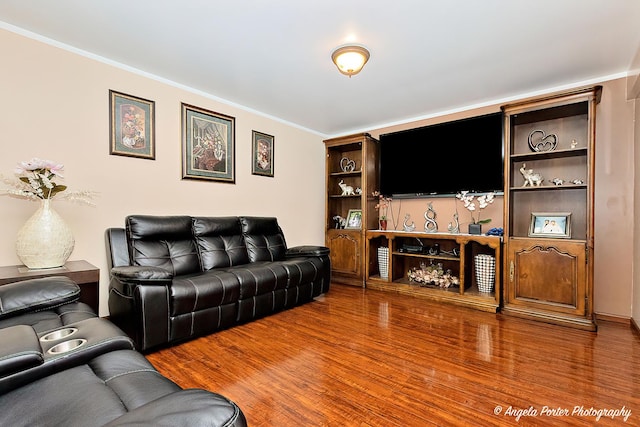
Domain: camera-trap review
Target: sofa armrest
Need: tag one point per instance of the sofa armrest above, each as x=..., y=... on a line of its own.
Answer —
x=146, y=274
x=139, y=303
x=37, y=295
x=192, y=407
x=19, y=349
x=126, y=278
x=307, y=250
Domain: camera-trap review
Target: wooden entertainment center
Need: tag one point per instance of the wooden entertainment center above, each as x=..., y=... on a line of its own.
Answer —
x=548, y=174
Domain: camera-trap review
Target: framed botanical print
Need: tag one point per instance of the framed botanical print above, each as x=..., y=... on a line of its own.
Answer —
x=131, y=126
x=208, y=145
x=262, y=154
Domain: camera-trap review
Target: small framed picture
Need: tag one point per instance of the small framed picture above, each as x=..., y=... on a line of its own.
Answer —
x=131, y=126
x=208, y=145
x=354, y=219
x=550, y=224
x=262, y=154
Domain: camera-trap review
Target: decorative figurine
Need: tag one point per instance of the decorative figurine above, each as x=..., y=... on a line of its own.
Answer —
x=577, y=181
x=530, y=178
x=455, y=229
x=406, y=226
x=347, y=190
x=574, y=143
x=347, y=165
x=358, y=191
x=430, y=225
x=556, y=181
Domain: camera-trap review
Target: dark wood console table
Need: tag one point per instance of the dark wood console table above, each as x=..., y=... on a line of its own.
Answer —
x=86, y=275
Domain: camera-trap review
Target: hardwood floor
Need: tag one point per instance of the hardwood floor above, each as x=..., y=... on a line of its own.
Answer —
x=358, y=357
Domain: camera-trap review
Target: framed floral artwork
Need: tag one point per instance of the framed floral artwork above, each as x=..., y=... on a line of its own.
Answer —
x=262, y=154
x=131, y=126
x=208, y=145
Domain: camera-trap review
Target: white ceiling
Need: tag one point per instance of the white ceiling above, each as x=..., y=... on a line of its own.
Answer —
x=428, y=57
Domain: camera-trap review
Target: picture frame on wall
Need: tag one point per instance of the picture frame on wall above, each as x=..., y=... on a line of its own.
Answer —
x=354, y=219
x=208, y=145
x=131, y=126
x=550, y=224
x=262, y=153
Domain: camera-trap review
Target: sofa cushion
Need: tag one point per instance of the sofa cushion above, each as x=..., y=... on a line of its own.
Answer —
x=220, y=242
x=203, y=290
x=162, y=241
x=259, y=278
x=264, y=238
x=106, y=388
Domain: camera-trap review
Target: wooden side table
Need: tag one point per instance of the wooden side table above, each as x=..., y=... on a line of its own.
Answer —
x=86, y=275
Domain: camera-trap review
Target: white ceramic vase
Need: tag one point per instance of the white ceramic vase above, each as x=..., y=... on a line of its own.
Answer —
x=45, y=240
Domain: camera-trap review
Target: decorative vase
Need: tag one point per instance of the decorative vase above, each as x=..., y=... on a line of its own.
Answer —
x=383, y=224
x=485, y=272
x=45, y=240
x=475, y=229
x=383, y=262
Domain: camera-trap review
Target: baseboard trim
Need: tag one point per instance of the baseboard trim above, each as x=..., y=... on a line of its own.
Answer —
x=613, y=318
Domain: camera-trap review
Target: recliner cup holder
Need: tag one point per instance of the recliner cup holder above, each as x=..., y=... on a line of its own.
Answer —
x=59, y=334
x=66, y=346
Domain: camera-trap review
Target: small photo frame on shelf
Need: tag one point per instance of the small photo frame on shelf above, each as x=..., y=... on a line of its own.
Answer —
x=550, y=224
x=131, y=126
x=262, y=154
x=354, y=219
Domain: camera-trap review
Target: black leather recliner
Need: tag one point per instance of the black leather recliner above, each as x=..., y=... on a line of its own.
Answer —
x=60, y=364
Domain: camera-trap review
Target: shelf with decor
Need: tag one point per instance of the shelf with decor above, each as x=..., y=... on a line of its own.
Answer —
x=437, y=266
x=549, y=196
x=351, y=174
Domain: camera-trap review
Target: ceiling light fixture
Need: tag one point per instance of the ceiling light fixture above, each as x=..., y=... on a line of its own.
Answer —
x=350, y=58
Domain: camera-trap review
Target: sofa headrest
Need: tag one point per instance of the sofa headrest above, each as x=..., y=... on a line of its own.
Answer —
x=220, y=242
x=264, y=238
x=164, y=242
x=158, y=227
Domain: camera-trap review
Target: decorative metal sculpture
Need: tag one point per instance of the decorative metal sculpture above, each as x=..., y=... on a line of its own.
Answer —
x=406, y=226
x=455, y=229
x=430, y=225
x=347, y=165
x=539, y=141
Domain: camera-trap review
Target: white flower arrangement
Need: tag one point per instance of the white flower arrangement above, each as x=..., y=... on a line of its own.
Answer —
x=36, y=182
x=483, y=201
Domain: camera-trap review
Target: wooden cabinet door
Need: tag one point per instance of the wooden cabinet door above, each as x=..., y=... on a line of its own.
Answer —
x=549, y=275
x=346, y=248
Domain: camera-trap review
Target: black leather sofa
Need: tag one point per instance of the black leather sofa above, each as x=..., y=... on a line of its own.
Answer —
x=173, y=278
x=61, y=365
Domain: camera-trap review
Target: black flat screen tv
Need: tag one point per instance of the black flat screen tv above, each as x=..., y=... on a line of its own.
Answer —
x=444, y=159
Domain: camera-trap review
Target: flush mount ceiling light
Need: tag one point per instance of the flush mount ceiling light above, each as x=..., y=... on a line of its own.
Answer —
x=350, y=58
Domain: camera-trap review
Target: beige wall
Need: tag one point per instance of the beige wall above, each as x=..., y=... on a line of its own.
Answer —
x=55, y=105
x=614, y=198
